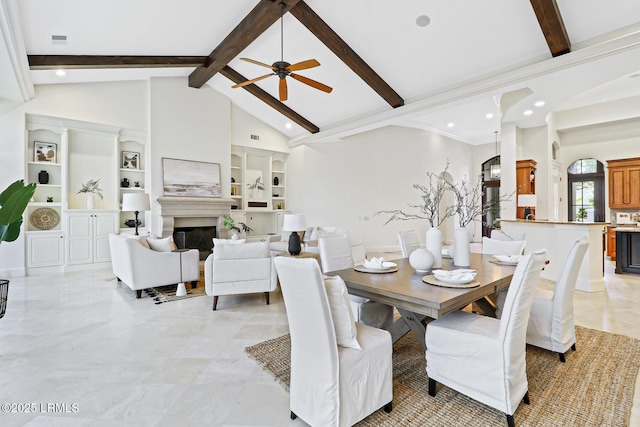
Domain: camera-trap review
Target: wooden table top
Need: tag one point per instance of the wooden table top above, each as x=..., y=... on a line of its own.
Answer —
x=405, y=288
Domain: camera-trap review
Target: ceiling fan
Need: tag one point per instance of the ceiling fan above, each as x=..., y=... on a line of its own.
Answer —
x=282, y=69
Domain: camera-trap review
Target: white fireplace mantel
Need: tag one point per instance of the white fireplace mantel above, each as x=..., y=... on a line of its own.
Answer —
x=192, y=208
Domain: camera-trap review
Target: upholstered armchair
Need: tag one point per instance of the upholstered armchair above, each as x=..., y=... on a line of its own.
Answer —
x=551, y=323
x=139, y=267
x=484, y=357
x=244, y=268
x=340, y=371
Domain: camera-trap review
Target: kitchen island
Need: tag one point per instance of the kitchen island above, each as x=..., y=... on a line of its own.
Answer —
x=627, y=249
x=557, y=237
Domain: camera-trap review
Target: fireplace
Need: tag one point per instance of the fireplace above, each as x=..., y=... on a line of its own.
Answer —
x=200, y=238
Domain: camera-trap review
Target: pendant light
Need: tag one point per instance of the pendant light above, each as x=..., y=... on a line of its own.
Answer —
x=495, y=168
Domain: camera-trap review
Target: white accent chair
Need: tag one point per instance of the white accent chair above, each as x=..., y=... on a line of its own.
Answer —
x=239, y=269
x=502, y=247
x=139, y=267
x=512, y=235
x=409, y=242
x=335, y=254
x=330, y=385
x=483, y=357
x=551, y=320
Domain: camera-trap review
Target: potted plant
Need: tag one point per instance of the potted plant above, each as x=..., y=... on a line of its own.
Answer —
x=91, y=188
x=230, y=224
x=13, y=202
x=582, y=214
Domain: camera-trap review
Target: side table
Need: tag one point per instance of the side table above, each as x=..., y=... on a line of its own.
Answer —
x=303, y=255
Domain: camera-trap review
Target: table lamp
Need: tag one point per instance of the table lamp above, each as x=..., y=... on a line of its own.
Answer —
x=527, y=201
x=294, y=223
x=135, y=202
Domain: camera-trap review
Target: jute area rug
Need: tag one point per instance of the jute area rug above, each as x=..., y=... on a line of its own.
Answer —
x=161, y=294
x=594, y=388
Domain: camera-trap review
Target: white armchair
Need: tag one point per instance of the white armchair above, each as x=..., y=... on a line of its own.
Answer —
x=139, y=267
x=551, y=320
x=239, y=269
x=483, y=357
x=331, y=384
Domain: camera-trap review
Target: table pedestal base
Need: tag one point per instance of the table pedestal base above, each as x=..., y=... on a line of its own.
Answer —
x=181, y=290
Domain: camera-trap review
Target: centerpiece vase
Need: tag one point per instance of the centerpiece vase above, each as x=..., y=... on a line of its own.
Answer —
x=461, y=248
x=434, y=245
x=91, y=201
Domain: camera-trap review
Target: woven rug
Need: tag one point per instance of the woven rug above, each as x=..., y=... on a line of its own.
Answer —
x=594, y=388
x=161, y=294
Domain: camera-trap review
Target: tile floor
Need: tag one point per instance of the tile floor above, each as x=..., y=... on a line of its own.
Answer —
x=86, y=352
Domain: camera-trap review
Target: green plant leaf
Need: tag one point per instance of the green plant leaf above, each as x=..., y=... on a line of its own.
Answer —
x=11, y=210
x=10, y=190
x=9, y=233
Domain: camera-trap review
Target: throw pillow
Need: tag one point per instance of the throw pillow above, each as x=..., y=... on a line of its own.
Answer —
x=345, y=326
x=217, y=242
x=141, y=239
x=162, y=245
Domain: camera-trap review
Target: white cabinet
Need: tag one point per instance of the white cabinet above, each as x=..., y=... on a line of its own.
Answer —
x=45, y=249
x=88, y=236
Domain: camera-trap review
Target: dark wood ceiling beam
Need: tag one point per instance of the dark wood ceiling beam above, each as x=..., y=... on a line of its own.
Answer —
x=250, y=28
x=326, y=35
x=48, y=62
x=236, y=77
x=552, y=26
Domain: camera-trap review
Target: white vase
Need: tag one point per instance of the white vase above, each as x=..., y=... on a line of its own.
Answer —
x=235, y=236
x=461, y=248
x=421, y=260
x=434, y=245
x=91, y=201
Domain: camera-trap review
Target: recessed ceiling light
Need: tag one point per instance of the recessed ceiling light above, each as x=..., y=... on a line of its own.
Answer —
x=288, y=125
x=450, y=125
x=528, y=112
x=489, y=116
x=423, y=21
x=60, y=73
x=539, y=103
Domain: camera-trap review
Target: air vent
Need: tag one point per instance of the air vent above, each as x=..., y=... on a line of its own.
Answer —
x=58, y=39
x=256, y=137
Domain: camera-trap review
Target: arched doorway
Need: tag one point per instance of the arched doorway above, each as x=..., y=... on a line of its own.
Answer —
x=490, y=194
x=586, y=190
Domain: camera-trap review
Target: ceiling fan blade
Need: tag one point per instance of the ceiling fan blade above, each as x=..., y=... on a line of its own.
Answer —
x=312, y=83
x=262, y=64
x=309, y=63
x=248, y=82
x=283, y=90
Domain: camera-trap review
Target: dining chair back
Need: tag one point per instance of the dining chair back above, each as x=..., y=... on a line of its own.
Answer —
x=409, y=242
x=335, y=254
x=502, y=247
x=323, y=375
x=484, y=357
x=510, y=236
x=551, y=325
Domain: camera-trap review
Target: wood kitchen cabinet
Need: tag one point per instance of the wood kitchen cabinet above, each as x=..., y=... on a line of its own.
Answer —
x=624, y=183
x=525, y=182
x=611, y=242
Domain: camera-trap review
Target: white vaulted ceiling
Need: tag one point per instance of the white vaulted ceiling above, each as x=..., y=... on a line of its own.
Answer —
x=452, y=71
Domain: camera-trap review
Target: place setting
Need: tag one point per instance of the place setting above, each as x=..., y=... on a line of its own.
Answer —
x=506, y=259
x=461, y=278
x=376, y=265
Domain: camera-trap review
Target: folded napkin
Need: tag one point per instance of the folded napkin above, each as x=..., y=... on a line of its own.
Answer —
x=462, y=275
x=378, y=264
x=508, y=258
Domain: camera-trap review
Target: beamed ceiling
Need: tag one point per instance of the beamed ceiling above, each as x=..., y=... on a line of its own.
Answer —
x=384, y=67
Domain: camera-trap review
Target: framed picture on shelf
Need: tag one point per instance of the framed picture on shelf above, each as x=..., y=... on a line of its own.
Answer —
x=130, y=160
x=45, y=152
x=190, y=178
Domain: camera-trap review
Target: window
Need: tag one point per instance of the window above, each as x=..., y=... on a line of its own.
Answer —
x=586, y=190
x=490, y=194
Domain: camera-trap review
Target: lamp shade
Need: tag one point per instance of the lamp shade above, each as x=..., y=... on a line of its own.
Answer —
x=135, y=202
x=526, y=200
x=294, y=222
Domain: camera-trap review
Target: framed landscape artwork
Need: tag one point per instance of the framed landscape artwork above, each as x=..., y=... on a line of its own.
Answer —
x=187, y=178
x=45, y=152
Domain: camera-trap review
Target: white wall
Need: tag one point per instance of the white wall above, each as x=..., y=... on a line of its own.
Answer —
x=536, y=147
x=344, y=183
x=243, y=125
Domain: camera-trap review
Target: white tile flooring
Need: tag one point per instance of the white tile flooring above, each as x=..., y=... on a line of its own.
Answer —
x=84, y=342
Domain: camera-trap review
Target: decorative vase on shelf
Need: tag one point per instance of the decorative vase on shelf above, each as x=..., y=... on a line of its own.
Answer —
x=43, y=177
x=276, y=181
x=91, y=201
x=434, y=245
x=421, y=260
x=461, y=248
x=124, y=183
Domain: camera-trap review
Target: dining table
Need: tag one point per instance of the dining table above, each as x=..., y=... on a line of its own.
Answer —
x=417, y=301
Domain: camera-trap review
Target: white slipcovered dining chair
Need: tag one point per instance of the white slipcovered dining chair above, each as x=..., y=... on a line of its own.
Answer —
x=409, y=242
x=551, y=323
x=336, y=254
x=483, y=357
x=511, y=235
x=502, y=247
x=331, y=385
